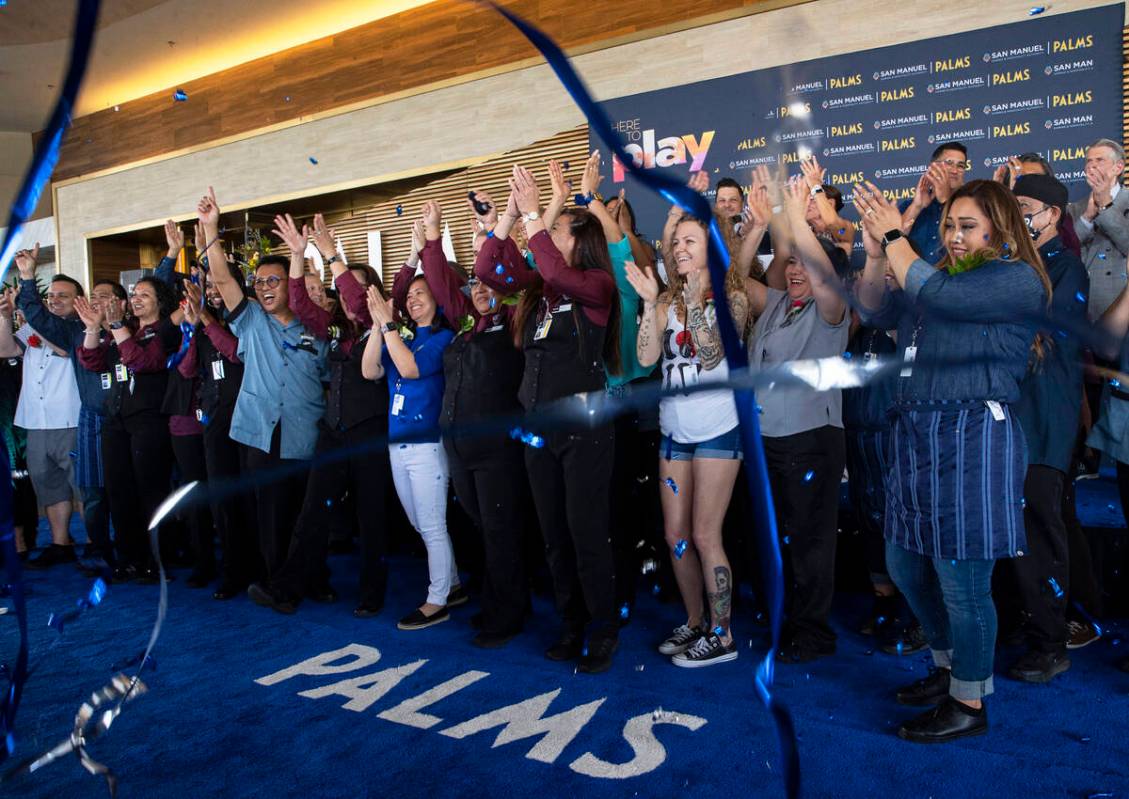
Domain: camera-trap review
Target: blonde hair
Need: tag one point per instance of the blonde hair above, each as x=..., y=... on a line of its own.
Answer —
x=676, y=282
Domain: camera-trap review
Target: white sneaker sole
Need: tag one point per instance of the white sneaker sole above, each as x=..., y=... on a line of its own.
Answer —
x=671, y=650
x=698, y=664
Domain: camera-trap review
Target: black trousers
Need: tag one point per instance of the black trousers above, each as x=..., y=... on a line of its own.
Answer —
x=192, y=462
x=635, y=505
x=570, y=478
x=1042, y=575
x=137, y=467
x=805, y=471
x=365, y=476
x=234, y=515
x=484, y=486
x=278, y=501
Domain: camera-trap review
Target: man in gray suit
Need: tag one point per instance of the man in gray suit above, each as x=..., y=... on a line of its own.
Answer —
x=1102, y=224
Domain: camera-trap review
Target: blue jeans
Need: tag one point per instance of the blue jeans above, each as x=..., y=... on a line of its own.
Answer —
x=953, y=601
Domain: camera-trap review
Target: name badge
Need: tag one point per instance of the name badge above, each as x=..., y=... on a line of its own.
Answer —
x=107, y=380
x=397, y=404
x=910, y=357
x=543, y=328
x=199, y=415
x=217, y=369
x=494, y=329
x=996, y=409
x=567, y=306
x=121, y=373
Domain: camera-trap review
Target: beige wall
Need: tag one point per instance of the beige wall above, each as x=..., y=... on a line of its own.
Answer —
x=487, y=116
x=15, y=155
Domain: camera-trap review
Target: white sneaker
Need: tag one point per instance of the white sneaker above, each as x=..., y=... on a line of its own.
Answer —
x=680, y=640
x=706, y=651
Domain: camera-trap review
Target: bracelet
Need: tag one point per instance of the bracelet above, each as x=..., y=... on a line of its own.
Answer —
x=778, y=209
x=118, y=325
x=333, y=260
x=96, y=331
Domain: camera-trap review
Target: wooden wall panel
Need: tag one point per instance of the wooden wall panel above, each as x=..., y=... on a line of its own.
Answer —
x=442, y=42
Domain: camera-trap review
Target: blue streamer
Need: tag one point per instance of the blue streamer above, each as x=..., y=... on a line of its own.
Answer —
x=186, y=333
x=735, y=357
x=38, y=173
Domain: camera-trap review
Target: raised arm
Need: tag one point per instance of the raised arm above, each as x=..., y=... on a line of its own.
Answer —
x=648, y=341
x=407, y=272
x=208, y=212
x=222, y=339
x=312, y=316
x=400, y=353
x=589, y=185
x=372, y=367
x=825, y=286
x=441, y=280
x=9, y=347
x=759, y=213
x=92, y=354
x=55, y=330
x=701, y=319
x=326, y=242
x=559, y=197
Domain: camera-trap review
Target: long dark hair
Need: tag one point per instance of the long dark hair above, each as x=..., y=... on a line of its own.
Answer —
x=590, y=251
x=166, y=297
x=352, y=328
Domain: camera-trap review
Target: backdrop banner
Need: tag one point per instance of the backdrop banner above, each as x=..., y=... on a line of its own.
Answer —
x=1048, y=84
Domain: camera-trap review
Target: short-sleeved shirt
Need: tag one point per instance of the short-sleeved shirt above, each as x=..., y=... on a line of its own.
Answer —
x=283, y=369
x=791, y=409
x=49, y=397
x=415, y=403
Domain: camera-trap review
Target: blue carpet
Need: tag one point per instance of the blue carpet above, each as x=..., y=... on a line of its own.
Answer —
x=207, y=728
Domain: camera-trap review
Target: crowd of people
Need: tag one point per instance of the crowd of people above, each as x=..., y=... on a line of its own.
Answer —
x=993, y=296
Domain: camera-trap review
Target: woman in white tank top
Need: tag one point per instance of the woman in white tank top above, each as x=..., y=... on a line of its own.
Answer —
x=701, y=451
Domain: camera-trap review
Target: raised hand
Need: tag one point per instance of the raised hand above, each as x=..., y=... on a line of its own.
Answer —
x=590, y=180
x=418, y=237
x=174, y=236
x=291, y=236
x=113, y=312
x=872, y=245
x=923, y=194
x=25, y=262
x=324, y=238
x=208, y=210
x=759, y=206
x=692, y=290
x=813, y=173
x=643, y=281
x=939, y=182
x=699, y=182
x=523, y=188
x=878, y=215
x=379, y=309
x=557, y=180
x=432, y=219
x=91, y=315
x=796, y=196
x=488, y=220
x=201, y=240
x=7, y=304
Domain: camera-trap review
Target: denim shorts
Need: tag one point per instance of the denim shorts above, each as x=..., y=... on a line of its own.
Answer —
x=726, y=447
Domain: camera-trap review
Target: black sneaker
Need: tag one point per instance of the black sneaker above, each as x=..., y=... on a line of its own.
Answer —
x=457, y=596
x=1036, y=666
x=269, y=598
x=568, y=647
x=907, y=642
x=680, y=640
x=597, y=657
x=417, y=620
x=804, y=650
x=946, y=722
x=706, y=651
x=53, y=555
x=1080, y=634
x=926, y=691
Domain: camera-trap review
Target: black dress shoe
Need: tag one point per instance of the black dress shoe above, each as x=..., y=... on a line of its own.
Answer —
x=946, y=722
x=598, y=656
x=457, y=596
x=804, y=649
x=489, y=640
x=927, y=691
x=367, y=611
x=228, y=591
x=568, y=647
x=269, y=598
x=1039, y=667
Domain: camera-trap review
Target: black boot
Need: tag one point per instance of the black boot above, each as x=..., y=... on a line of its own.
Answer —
x=568, y=646
x=1035, y=666
x=946, y=722
x=927, y=691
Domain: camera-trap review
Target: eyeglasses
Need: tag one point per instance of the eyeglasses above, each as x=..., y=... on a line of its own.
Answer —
x=59, y=295
x=267, y=282
x=952, y=163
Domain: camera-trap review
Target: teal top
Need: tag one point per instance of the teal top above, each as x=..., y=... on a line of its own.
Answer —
x=630, y=368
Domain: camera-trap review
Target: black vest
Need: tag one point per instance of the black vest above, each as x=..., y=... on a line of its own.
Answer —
x=567, y=360
x=180, y=394
x=217, y=395
x=148, y=388
x=352, y=399
x=482, y=373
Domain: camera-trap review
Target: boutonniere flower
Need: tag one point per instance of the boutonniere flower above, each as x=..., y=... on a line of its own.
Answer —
x=968, y=263
x=466, y=324
x=512, y=299
x=34, y=341
x=406, y=333
x=333, y=331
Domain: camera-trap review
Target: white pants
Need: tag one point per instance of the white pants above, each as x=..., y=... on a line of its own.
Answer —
x=420, y=474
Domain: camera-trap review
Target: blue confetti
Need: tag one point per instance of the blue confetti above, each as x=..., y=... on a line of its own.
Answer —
x=680, y=548
x=564, y=165
x=1115, y=382
x=492, y=303
x=1101, y=255
x=808, y=476
x=399, y=210
x=842, y=231
x=1085, y=739
x=673, y=485
x=880, y=620
x=1053, y=583
x=180, y=95
x=499, y=269
x=97, y=593
x=760, y=409
x=313, y=161
x=624, y=611
x=719, y=631
x=846, y=356
x=655, y=590
x=787, y=540
x=329, y=503
x=1036, y=11
x=1023, y=502
x=901, y=647
x=1080, y=297
x=509, y=279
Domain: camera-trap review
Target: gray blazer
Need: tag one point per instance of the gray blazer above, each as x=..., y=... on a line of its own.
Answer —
x=1105, y=246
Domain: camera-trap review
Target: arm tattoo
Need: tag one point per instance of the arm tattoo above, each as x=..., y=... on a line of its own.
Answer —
x=721, y=600
x=706, y=337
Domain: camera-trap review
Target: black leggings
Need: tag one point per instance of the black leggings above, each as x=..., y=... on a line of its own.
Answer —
x=570, y=477
x=137, y=465
x=190, y=459
x=365, y=476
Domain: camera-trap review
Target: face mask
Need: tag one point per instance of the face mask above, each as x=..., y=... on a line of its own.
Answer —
x=1029, y=220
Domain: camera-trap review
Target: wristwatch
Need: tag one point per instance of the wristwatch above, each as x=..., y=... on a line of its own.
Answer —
x=332, y=259
x=532, y=216
x=118, y=325
x=816, y=190
x=388, y=327
x=889, y=237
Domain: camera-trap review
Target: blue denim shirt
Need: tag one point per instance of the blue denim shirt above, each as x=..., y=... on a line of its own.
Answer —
x=283, y=369
x=973, y=331
x=1051, y=394
x=68, y=335
x=926, y=231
